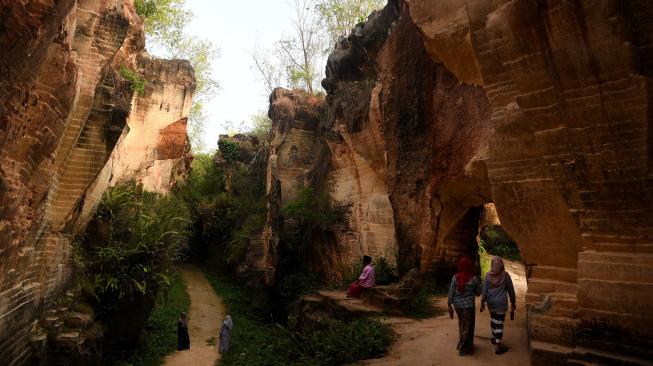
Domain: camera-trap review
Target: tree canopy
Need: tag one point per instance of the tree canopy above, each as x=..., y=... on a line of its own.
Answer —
x=297, y=59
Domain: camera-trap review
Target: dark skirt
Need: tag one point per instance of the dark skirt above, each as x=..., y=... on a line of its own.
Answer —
x=466, y=320
x=183, y=339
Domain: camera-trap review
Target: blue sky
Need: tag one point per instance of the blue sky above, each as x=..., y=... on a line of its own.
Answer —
x=236, y=28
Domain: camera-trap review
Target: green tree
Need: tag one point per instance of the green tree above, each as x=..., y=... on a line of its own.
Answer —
x=339, y=17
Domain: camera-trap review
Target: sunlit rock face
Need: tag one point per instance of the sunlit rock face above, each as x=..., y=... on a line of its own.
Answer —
x=155, y=146
x=412, y=139
x=63, y=108
x=399, y=144
x=570, y=159
x=295, y=117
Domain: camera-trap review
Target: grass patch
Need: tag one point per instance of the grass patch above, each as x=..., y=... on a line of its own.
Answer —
x=160, y=336
x=257, y=341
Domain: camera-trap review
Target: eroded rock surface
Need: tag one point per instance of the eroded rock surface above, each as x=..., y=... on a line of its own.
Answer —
x=542, y=108
x=63, y=107
x=569, y=163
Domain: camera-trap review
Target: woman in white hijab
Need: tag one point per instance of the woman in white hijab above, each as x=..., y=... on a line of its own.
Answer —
x=225, y=334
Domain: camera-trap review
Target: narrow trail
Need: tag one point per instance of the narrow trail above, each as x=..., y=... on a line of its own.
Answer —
x=205, y=318
x=432, y=342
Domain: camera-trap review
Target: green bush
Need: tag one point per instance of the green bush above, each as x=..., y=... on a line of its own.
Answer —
x=335, y=342
x=130, y=244
x=136, y=81
x=484, y=259
x=256, y=341
x=294, y=285
x=160, y=335
x=313, y=209
x=497, y=242
x=230, y=150
x=352, y=274
x=385, y=272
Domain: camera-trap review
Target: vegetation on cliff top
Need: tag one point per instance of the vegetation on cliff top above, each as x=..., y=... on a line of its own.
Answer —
x=297, y=59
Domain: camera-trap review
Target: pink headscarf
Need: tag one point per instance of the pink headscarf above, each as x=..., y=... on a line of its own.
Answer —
x=497, y=273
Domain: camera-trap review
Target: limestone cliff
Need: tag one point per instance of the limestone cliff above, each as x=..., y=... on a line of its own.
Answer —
x=63, y=107
x=436, y=109
x=397, y=144
x=569, y=161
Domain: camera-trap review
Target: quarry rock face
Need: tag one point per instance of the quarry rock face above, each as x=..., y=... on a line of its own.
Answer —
x=569, y=161
x=409, y=131
x=155, y=147
x=445, y=115
x=63, y=107
x=400, y=144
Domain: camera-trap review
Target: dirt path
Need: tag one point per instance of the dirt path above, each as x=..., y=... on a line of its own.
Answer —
x=432, y=342
x=205, y=318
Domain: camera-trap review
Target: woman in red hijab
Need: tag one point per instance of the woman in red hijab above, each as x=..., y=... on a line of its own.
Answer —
x=465, y=286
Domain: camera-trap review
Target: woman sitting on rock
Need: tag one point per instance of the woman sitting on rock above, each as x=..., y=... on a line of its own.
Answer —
x=465, y=286
x=496, y=290
x=365, y=281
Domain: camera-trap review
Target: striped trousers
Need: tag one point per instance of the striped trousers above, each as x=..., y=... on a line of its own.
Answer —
x=496, y=324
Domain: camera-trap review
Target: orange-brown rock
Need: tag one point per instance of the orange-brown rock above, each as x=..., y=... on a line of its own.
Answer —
x=569, y=163
x=63, y=107
x=539, y=107
x=400, y=144
x=410, y=137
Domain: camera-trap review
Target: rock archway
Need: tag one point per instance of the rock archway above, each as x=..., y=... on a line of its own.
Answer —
x=569, y=160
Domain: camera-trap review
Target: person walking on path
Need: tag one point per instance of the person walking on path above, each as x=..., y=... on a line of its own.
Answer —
x=465, y=286
x=496, y=290
x=365, y=281
x=183, y=339
x=225, y=334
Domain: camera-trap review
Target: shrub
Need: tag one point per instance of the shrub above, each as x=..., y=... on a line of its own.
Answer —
x=385, y=272
x=352, y=274
x=256, y=341
x=230, y=150
x=334, y=342
x=313, y=209
x=497, y=242
x=131, y=243
x=484, y=258
x=136, y=81
x=294, y=285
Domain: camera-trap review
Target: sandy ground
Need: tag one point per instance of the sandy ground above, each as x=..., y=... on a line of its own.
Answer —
x=205, y=318
x=432, y=342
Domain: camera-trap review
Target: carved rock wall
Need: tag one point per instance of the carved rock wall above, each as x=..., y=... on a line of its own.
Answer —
x=414, y=137
x=63, y=107
x=155, y=147
x=569, y=162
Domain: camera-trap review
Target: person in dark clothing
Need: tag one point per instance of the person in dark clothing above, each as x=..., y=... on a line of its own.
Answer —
x=497, y=289
x=465, y=286
x=183, y=339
